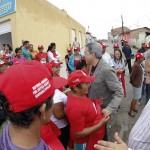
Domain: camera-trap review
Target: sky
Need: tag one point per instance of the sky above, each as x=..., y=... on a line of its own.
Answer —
x=101, y=16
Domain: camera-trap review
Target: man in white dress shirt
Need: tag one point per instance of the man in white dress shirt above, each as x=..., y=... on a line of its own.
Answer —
x=105, y=55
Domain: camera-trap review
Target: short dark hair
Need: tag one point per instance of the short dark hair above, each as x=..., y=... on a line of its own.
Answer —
x=24, y=118
x=25, y=42
x=17, y=50
x=78, y=86
x=81, y=64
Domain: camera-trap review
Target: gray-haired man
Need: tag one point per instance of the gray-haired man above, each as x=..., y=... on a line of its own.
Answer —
x=106, y=84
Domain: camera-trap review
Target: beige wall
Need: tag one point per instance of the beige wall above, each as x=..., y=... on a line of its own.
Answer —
x=42, y=23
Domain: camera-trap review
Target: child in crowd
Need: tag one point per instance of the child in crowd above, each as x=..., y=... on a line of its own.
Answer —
x=87, y=123
x=19, y=58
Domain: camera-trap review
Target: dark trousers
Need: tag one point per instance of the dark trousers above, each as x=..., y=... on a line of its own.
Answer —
x=105, y=135
x=147, y=92
x=64, y=137
x=146, y=89
x=129, y=65
x=143, y=86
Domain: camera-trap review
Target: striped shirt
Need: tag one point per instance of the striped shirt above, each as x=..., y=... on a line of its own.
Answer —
x=139, y=138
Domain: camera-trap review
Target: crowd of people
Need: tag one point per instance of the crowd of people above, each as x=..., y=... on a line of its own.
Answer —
x=42, y=110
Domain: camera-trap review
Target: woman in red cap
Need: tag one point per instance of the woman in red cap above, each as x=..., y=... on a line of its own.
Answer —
x=119, y=66
x=69, y=51
x=56, y=65
x=136, y=79
x=116, y=47
x=87, y=123
x=74, y=59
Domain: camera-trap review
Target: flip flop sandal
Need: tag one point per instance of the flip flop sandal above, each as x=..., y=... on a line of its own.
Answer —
x=131, y=115
x=135, y=110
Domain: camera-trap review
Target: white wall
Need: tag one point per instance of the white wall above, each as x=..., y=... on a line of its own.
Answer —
x=148, y=39
x=80, y=39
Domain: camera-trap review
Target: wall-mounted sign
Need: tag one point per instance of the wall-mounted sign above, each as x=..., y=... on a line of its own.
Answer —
x=7, y=7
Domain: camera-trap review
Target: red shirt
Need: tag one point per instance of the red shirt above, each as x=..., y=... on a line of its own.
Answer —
x=82, y=113
x=42, y=57
x=49, y=133
x=75, y=62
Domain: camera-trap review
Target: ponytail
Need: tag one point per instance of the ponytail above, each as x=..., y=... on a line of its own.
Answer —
x=51, y=46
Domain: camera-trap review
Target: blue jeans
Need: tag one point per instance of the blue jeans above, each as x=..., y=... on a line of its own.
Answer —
x=80, y=146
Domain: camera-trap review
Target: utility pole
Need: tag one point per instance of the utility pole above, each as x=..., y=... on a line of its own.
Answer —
x=122, y=27
x=113, y=34
x=88, y=29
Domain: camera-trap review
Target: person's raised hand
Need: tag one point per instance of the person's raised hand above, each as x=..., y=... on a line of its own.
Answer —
x=119, y=145
x=106, y=112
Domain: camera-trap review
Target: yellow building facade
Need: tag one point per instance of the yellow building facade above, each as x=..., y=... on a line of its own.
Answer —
x=40, y=22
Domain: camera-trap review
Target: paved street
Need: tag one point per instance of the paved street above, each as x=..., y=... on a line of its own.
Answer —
x=120, y=121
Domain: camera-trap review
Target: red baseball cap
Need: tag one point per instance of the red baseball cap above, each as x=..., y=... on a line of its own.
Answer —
x=76, y=49
x=78, y=77
x=55, y=63
x=102, y=44
x=5, y=56
x=40, y=46
x=116, y=45
x=28, y=84
x=69, y=49
x=139, y=55
x=49, y=67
